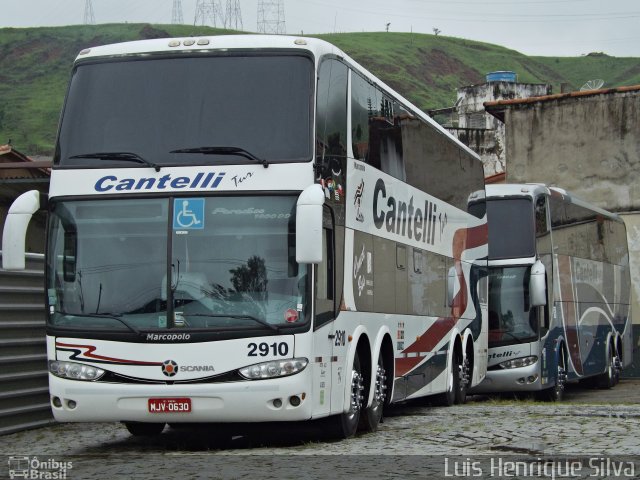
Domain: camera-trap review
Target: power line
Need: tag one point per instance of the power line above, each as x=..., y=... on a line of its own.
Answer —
x=176, y=13
x=89, y=17
x=271, y=17
x=234, y=15
x=209, y=11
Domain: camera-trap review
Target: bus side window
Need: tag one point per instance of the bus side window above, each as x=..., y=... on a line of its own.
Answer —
x=331, y=126
x=541, y=216
x=325, y=278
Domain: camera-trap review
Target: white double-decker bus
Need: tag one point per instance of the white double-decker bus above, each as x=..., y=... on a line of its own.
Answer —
x=254, y=229
x=559, y=292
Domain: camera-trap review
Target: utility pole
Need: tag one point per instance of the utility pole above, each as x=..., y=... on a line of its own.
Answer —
x=271, y=17
x=209, y=10
x=176, y=14
x=89, y=17
x=234, y=15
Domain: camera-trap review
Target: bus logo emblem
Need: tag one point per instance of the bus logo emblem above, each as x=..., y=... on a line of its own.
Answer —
x=357, y=201
x=169, y=368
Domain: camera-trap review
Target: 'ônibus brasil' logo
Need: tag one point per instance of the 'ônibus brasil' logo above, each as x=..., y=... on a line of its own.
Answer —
x=169, y=368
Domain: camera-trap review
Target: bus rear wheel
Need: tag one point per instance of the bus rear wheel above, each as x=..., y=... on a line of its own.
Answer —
x=372, y=415
x=139, y=429
x=448, y=398
x=464, y=379
x=607, y=379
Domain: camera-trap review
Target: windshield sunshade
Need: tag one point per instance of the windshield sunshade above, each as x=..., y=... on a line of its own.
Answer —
x=165, y=110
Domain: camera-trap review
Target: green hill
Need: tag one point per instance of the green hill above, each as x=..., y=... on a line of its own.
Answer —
x=35, y=64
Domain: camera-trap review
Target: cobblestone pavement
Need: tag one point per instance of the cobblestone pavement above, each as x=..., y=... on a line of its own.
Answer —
x=413, y=440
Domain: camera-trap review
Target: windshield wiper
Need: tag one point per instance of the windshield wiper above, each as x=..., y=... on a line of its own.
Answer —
x=223, y=151
x=112, y=316
x=124, y=156
x=248, y=317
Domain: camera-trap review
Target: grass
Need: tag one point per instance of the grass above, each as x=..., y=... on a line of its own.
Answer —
x=35, y=65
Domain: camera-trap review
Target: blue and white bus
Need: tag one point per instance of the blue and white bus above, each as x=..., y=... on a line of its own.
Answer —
x=559, y=292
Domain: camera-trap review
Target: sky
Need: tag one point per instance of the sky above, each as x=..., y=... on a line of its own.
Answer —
x=533, y=27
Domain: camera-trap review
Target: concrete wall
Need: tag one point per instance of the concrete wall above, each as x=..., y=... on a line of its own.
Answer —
x=588, y=145
x=482, y=132
x=488, y=143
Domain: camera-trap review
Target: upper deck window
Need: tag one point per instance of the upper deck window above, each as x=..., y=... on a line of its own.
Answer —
x=511, y=228
x=152, y=106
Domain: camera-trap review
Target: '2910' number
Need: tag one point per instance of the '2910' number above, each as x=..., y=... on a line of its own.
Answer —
x=263, y=349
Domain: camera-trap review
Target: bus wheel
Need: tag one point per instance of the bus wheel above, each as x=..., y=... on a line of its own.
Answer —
x=556, y=393
x=464, y=378
x=345, y=424
x=607, y=379
x=370, y=419
x=139, y=429
x=617, y=367
x=448, y=398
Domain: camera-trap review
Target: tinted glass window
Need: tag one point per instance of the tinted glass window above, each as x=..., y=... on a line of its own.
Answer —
x=232, y=264
x=511, y=320
x=510, y=228
x=154, y=106
x=331, y=127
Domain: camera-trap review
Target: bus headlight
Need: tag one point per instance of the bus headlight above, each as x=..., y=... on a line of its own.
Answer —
x=75, y=371
x=519, y=362
x=275, y=368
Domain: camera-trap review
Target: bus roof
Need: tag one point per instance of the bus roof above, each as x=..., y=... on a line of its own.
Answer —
x=533, y=189
x=315, y=46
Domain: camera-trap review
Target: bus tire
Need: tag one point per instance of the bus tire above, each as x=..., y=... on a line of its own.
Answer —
x=140, y=429
x=463, y=381
x=607, y=379
x=372, y=415
x=345, y=424
x=556, y=393
x=448, y=398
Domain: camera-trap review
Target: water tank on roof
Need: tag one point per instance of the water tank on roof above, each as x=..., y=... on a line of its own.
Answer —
x=502, y=76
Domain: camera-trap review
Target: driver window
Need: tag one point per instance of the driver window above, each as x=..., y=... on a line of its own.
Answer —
x=325, y=294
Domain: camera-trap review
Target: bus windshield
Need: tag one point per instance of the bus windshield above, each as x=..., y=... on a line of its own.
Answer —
x=188, y=111
x=511, y=224
x=229, y=263
x=511, y=320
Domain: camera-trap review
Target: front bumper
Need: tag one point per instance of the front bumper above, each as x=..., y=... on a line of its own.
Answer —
x=522, y=379
x=246, y=401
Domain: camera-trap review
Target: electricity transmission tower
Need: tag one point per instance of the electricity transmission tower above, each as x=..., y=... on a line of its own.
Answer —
x=210, y=10
x=89, y=17
x=271, y=16
x=176, y=14
x=234, y=15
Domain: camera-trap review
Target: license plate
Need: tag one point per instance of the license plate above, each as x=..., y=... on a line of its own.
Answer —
x=169, y=405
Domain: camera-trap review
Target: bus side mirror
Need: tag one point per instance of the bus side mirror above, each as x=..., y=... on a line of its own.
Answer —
x=537, y=285
x=309, y=225
x=15, y=229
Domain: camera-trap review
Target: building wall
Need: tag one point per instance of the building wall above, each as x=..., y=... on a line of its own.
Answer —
x=588, y=145
x=482, y=132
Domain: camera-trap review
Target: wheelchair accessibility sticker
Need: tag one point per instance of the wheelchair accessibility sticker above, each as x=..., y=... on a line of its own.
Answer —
x=188, y=214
